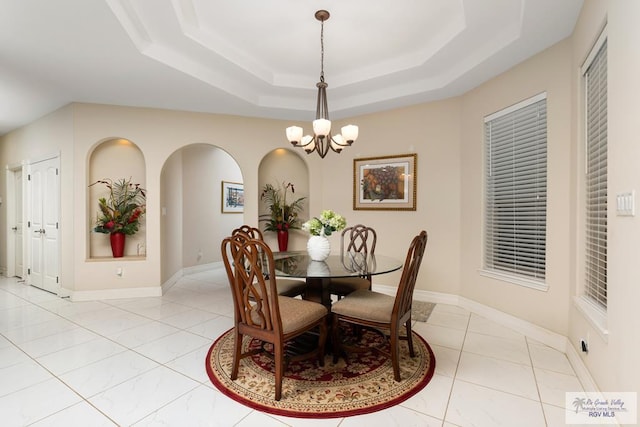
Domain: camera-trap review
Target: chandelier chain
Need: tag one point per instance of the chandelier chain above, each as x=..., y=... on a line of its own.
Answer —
x=322, y=50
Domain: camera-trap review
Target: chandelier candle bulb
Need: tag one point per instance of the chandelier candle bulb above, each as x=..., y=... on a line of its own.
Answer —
x=350, y=133
x=321, y=127
x=294, y=134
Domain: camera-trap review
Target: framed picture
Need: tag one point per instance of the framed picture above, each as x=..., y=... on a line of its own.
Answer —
x=232, y=197
x=385, y=183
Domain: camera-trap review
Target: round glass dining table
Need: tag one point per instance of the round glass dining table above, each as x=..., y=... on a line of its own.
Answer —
x=318, y=274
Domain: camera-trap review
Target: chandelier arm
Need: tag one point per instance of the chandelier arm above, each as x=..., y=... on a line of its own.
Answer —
x=341, y=144
x=301, y=145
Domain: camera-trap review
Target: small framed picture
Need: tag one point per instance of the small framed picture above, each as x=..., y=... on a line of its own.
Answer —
x=385, y=183
x=232, y=197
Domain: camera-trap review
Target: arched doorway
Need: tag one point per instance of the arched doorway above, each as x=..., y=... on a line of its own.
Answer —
x=192, y=222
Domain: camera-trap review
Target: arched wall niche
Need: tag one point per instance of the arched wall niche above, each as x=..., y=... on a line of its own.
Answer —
x=192, y=224
x=278, y=168
x=115, y=159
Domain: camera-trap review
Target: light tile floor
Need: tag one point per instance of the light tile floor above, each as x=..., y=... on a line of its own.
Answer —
x=141, y=362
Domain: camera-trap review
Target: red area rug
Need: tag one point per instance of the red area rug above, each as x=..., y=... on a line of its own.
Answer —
x=361, y=385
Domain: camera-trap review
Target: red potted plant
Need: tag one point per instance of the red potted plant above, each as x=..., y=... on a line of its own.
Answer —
x=282, y=216
x=120, y=212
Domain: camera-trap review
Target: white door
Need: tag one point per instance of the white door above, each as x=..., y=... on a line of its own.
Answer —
x=43, y=188
x=17, y=227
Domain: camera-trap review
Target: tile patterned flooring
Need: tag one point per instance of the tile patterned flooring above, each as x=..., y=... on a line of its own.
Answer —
x=141, y=362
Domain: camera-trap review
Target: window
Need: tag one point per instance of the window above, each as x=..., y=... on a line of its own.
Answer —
x=516, y=192
x=595, y=87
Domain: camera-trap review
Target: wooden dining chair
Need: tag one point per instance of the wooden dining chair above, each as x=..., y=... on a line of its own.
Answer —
x=385, y=313
x=358, y=239
x=286, y=287
x=262, y=314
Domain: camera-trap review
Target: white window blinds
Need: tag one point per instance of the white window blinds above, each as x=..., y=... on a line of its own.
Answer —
x=516, y=190
x=595, y=78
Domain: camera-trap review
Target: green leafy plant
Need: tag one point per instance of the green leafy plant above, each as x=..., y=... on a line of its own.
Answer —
x=328, y=222
x=122, y=209
x=282, y=215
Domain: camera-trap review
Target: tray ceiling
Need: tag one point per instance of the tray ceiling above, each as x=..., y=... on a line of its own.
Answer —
x=262, y=58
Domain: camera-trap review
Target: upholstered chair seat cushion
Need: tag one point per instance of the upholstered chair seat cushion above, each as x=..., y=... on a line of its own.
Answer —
x=296, y=313
x=367, y=305
x=346, y=285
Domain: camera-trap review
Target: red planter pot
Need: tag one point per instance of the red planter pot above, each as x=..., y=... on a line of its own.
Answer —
x=117, y=244
x=283, y=240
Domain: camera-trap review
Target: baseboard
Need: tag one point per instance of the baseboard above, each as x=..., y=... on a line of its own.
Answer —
x=202, y=267
x=538, y=333
x=172, y=281
x=580, y=369
x=106, y=294
x=151, y=291
x=168, y=284
x=552, y=339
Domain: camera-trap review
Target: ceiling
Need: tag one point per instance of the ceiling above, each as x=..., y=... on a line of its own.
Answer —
x=262, y=58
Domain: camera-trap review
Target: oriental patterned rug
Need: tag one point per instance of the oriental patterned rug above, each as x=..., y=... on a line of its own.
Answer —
x=362, y=384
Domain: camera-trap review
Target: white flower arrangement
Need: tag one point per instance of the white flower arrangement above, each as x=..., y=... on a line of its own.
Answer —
x=328, y=222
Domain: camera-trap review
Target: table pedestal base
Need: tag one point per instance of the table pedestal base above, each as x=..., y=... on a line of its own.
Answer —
x=318, y=291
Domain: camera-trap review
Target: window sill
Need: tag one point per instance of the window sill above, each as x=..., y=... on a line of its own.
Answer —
x=594, y=315
x=516, y=280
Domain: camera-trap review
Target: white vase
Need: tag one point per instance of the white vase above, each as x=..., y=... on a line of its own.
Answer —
x=318, y=248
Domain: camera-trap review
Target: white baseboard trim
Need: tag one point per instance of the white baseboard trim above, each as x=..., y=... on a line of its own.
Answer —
x=538, y=333
x=552, y=339
x=172, y=281
x=189, y=270
x=580, y=369
x=202, y=267
x=151, y=291
x=106, y=294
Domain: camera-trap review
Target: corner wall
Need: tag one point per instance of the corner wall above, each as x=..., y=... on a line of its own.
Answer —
x=550, y=72
x=613, y=358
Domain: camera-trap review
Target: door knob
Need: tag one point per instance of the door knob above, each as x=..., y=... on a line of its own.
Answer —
x=14, y=228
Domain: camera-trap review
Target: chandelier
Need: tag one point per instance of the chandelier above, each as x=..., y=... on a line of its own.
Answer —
x=322, y=140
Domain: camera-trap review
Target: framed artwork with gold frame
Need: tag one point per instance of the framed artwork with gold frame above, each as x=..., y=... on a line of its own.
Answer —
x=385, y=183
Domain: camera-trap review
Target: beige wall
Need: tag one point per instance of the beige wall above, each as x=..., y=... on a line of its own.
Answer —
x=171, y=214
x=204, y=225
x=158, y=134
x=52, y=134
x=550, y=72
x=432, y=131
x=613, y=358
